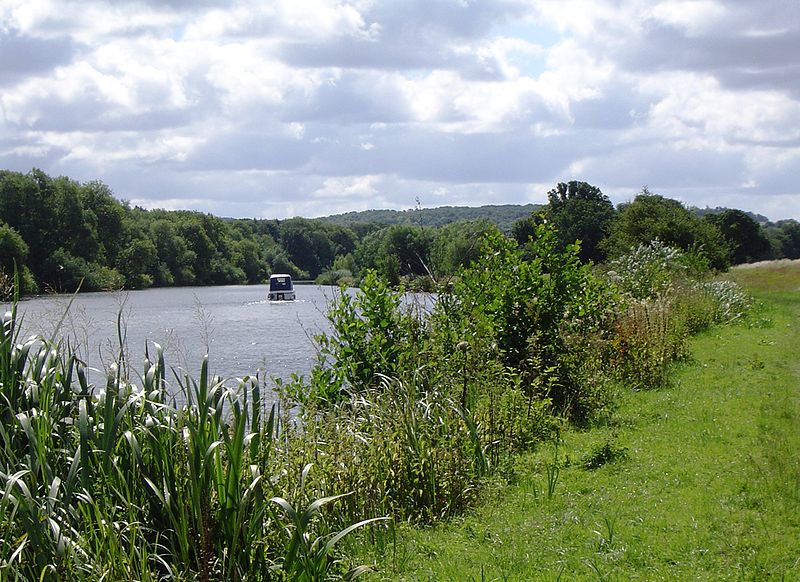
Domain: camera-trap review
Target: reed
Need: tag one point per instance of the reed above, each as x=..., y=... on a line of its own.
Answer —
x=120, y=482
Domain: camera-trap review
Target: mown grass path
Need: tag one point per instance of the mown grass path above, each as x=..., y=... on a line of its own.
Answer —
x=700, y=481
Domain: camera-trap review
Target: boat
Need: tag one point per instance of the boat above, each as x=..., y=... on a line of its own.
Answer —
x=281, y=288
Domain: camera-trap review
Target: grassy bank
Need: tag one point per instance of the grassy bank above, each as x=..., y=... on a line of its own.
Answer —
x=698, y=481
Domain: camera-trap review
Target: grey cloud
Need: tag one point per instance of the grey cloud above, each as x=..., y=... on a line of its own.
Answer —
x=248, y=151
x=740, y=57
x=93, y=114
x=22, y=56
x=464, y=20
x=510, y=157
x=615, y=110
x=664, y=167
x=20, y=155
x=390, y=54
x=412, y=35
x=353, y=98
x=184, y=5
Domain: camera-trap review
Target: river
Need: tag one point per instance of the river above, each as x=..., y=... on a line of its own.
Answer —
x=242, y=332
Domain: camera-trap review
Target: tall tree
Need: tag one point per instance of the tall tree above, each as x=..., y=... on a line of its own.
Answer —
x=745, y=237
x=109, y=218
x=457, y=245
x=580, y=212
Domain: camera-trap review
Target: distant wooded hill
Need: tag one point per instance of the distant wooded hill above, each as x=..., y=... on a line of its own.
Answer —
x=503, y=215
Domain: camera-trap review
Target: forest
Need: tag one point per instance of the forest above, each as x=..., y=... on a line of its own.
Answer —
x=62, y=235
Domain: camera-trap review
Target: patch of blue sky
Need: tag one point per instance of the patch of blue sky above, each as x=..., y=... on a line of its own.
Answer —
x=178, y=32
x=529, y=64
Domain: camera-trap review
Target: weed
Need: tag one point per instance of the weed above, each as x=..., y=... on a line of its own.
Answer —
x=604, y=454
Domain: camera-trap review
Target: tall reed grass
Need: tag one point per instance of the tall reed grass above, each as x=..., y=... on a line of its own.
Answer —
x=119, y=482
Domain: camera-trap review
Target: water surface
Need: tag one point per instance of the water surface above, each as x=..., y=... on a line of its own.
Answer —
x=242, y=332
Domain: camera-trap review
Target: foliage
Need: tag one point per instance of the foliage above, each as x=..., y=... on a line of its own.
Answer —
x=720, y=302
x=502, y=321
x=530, y=307
x=411, y=408
x=608, y=452
x=13, y=256
x=502, y=216
x=373, y=335
x=663, y=302
x=313, y=245
x=77, y=232
x=580, y=212
x=648, y=270
x=650, y=217
x=457, y=245
x=647, y=339
x=308, y=558
x=784, y=238
x=396, y=252
x=398, y=450
x=745, y=237
x=341, y=273
x=667, y=511
x=69, y=273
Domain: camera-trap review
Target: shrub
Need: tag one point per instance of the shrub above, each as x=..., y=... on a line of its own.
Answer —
x=533, y=310
x=373, y=334
x=665, y=297
x=647, y=340
x=412, y=454
x=730, y=301
x=338, y=278
x=648, y=270
x=601, y=455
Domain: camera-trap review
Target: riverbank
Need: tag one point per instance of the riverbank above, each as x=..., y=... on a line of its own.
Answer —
x=698, y=481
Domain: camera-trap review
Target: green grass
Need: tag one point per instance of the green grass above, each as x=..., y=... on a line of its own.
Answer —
x=700, y=481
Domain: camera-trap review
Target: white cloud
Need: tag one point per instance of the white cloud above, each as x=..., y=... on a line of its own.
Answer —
x=695, y=16
x=310, y=106
x=695, y=110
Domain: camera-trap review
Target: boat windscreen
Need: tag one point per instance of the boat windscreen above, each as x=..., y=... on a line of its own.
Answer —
x=280, y=284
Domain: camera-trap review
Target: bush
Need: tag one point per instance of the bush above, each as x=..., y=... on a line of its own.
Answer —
x=665, y=298
x=647, y=339
x=69, y=273
x=373, y=334
x=534, y=311
x=648, y=270
x=400, y=451
x=339, y=278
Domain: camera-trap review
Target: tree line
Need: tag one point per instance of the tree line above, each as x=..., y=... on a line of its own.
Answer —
x=60, y=234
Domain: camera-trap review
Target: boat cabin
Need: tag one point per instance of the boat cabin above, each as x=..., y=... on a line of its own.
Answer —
x=281, y=288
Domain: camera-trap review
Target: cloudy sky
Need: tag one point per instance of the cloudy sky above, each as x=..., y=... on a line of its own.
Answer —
x=271, y=109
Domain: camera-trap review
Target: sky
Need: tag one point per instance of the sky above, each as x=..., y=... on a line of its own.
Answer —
x=273, y=109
